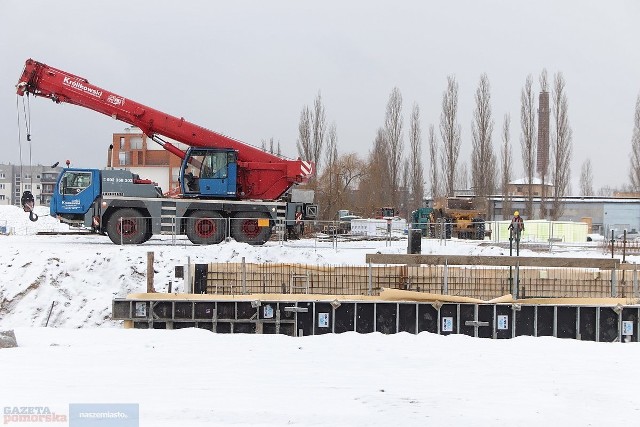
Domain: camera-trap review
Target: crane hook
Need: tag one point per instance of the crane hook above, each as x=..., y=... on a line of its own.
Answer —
x=28, y=203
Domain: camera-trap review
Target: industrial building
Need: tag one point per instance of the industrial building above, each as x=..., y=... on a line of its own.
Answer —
x=602, y=213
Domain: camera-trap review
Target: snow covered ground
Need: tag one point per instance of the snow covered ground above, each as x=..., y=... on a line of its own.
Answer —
x=196, y=378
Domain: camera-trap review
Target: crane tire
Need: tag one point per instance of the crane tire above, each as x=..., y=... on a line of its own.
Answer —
x=128, y=227
x=245, y=228
x=206, y=228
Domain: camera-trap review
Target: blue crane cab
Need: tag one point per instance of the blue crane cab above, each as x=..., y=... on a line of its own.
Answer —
x=209, y=172
x=75, y=191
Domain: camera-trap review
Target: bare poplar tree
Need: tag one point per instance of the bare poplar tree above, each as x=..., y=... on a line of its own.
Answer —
x=269, y=147
x=331, y=176
x=393, y=130
x=561, y=146
x=331, y=153
x=319, y=124
x=586, y=179
x=305, y=150
x=450, y=133
x=528, y=140
x=403, y=195
x=634, y=172
x=483, y=158
x=416, y=171
x=506, y=167
x=434, y=181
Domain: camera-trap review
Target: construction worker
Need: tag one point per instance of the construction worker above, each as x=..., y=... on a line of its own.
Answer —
x=517, y=225
x=299, y=222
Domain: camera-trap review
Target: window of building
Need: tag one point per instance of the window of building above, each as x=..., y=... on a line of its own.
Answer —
x=1, y=196
x=122, y=142
x=2, y=175
x=27, y=186
x=38, y=176
x=519, y=189
x=124, y=158
x=27, y=176
x=1, y=186
x=136, y=142
x=37, y=186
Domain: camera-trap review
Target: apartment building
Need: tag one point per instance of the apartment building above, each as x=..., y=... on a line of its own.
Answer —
x=132, y=150
x=15, y=179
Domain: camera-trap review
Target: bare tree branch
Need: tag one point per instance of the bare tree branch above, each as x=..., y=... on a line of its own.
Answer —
x=393, y=130
x=562, y=146
x=527, y=140
x=450, y=133
x=415, y=169
x=586, y=179
x=329, y=188
x=506, y=159
x=305, y=150
x=319, y=124
x=483, y=159
x=433, y=161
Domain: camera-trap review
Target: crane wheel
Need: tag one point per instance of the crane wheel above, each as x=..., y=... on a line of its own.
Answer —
x=128, y=227
x=246, y=227
x=206, y=228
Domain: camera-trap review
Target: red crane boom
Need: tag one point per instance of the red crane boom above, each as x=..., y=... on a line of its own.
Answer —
x=261, y=175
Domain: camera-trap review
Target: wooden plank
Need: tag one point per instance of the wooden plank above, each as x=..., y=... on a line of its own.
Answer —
x=505, y=261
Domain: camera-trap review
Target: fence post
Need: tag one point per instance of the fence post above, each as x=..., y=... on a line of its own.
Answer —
x=369, y=281
x=614, y=283
x=445, y=281
x=516, y=281
x=173, y=229
x=244, y=277
x=150, y=272
x=188, y=289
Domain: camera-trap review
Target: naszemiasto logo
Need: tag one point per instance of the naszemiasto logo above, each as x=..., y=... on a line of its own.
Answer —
x=79, y=85
x=31, y=414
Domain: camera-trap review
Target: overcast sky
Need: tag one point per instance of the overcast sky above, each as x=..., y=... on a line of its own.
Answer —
x=246, y=68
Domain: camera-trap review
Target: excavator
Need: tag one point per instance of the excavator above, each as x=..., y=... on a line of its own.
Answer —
x=229, y=188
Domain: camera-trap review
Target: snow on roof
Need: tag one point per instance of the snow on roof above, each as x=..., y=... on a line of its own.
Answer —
x=535, y=181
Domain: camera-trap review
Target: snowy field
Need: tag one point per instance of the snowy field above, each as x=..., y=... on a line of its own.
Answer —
x=196, y=378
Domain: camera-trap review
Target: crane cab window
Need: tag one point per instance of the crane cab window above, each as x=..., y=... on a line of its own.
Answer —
x=212, y=165
x=74, y=182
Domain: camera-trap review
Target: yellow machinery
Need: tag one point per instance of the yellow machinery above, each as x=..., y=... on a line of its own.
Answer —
x=464, y=216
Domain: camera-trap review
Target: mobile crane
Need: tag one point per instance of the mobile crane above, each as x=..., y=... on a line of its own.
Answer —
x=228, y=187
